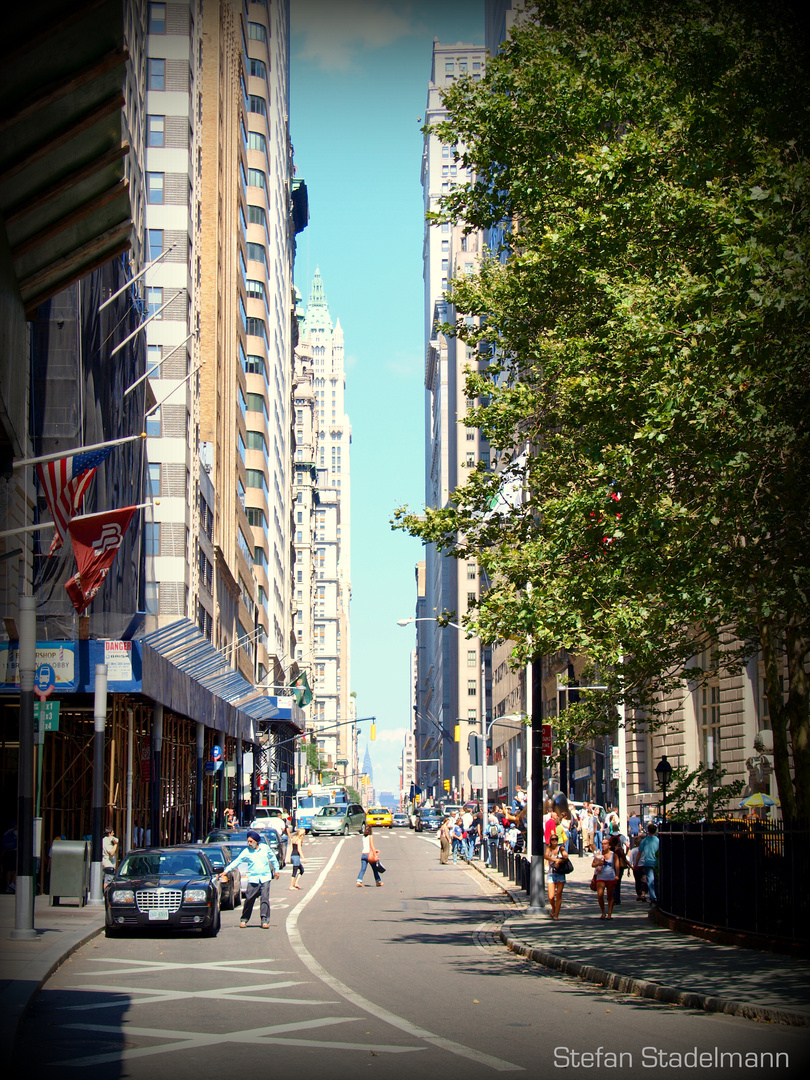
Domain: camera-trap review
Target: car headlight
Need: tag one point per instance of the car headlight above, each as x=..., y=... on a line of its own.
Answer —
x=196, y=896
x=122, y=896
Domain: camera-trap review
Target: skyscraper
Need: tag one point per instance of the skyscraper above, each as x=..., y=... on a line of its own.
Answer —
x=455, y=685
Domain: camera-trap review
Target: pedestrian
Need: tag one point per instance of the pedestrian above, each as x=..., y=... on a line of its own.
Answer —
x=605, y=877
x=618, y=845
x=444, y=841
x=296, y=857
x=596, y=842
x=638, y=874
x=475, y=834
x=262, y=867
x=109, y=854
x=634, y=828
x=493, y=833
x=555, y=879
x=648, y=859
x=369, y=857
x=457, y=836
x=230, y=818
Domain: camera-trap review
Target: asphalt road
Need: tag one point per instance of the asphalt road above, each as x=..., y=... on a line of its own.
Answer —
x=402, y=982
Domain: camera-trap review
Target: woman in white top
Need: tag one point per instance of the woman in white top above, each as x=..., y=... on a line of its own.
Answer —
x=605, y=878
x=368, y=858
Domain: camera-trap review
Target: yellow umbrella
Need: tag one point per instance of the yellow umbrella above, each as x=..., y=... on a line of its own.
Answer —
x=758, y=799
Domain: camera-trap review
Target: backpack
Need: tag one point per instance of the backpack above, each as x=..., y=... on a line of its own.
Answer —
x=493, y=832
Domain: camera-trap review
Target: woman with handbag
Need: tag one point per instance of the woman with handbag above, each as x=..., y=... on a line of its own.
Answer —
x=556, y=859
x=370, y=857
x=605, y=877
x=297, y=858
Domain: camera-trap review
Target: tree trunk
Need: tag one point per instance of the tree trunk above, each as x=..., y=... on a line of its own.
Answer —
x=779, y=721
x=798, y=710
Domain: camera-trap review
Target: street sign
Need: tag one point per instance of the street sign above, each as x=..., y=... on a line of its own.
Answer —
x=216, y=753
x=213, y=766
x=48, y=711
x=44, y=680
x=581, y=774
x=146, y=764
x=614, y=762
x=547, y=745
x=474, y=775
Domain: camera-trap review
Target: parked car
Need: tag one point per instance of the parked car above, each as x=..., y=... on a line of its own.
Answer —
x=338, y=818
x=400, y=820
x=379, y=816
x=428, y=819
x=450, y=808
x=219, y=855
x=237, y=839
x=269, y=815
x=175, y=888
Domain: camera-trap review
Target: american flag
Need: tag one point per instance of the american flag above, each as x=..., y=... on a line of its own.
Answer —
x=65, y=482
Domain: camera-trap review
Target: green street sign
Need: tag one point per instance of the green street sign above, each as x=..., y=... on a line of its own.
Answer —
x=49, y=711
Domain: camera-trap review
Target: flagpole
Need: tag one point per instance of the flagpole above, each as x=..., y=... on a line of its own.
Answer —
x=77, y=450
x=146, y=322
x=155, y=367
x=174, y=391
x=145, y=270
x=78, y=517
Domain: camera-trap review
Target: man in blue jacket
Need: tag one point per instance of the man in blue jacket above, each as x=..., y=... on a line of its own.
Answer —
x=648, y=859
x=262, y=867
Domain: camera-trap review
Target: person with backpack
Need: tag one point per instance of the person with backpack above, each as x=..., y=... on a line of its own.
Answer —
x=492, y=837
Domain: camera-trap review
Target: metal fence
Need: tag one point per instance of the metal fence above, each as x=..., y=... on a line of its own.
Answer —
x=748, y=877
x=516, y=867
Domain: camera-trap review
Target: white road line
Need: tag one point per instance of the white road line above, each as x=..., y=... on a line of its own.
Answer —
x=371, y=1007
x=154, y=996
x=147, y=967
x=189, y=1040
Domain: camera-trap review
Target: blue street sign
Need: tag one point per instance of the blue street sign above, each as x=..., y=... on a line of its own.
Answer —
x=44, y=678
x=213, y=766
x=216, y=753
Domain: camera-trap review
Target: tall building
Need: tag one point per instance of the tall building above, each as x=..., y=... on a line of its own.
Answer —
x=454, y=689
x=322, y=512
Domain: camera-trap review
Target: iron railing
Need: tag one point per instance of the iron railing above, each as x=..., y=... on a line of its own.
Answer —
x=741, y=876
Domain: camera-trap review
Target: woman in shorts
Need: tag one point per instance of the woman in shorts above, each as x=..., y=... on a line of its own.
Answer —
x=555, y=857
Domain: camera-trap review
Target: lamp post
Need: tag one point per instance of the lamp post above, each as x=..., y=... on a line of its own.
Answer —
x=663, y=771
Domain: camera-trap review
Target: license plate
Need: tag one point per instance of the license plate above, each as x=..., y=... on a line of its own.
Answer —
x=158, y=916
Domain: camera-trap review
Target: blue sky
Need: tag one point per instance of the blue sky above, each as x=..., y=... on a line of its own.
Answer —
x=359, y=77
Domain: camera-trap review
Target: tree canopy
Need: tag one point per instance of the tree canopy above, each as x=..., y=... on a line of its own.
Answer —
x=642, y=331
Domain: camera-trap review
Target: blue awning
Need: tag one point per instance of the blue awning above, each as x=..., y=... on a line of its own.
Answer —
x=184, y=672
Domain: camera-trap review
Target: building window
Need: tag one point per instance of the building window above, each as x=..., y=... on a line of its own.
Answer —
x=154, y=299
x=255, y=402
x=256, y=441
x=256, y=216
x=153, y=478
x=155, y=243
x=156, y=23
x=710, y=724
x=256, y=518
x=255, y=478
x=471, y=598
x=472, y=714
x=155, y=130
x=254, y=364
x=472, y=571
x=472, y=687
x=257, y=69
x=256, y=32
x=154, y=187
x=151, y=538
x=255, y=289
x=157, y=74
x=153, y=425
x=257, y=141
x=257, y=104
x=257, y=253
x=256, y=328
x=256, y=178
x=151, y=598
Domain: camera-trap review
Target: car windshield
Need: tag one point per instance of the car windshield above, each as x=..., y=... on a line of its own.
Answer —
x=162, y=864
x=239, y=839
x=331, y=811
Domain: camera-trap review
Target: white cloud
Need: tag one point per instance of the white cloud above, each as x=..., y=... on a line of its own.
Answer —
x=394, y=735
x=334, y=31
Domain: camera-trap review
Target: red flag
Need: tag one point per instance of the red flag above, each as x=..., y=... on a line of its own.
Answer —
x=96, y=541
x=64, y=483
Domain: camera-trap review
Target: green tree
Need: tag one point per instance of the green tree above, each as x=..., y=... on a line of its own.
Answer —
x=643, y=335
x=700, y=794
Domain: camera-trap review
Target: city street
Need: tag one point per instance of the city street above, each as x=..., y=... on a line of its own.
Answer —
x=407, y=980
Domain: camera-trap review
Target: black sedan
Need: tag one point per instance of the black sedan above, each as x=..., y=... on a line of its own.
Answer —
x=237, y=839
x=428, y=820
x=219, y=855
x=175, y=888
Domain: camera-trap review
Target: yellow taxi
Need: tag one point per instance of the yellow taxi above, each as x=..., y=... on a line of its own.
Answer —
x=379, y=816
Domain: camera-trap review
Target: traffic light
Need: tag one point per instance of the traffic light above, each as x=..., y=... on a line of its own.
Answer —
x=457, y=733
x=446, y=785
x=373, y=732
x=473, y=748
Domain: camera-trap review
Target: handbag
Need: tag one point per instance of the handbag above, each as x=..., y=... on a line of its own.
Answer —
x=566, y=868
x=372, y=856
x=380, y=867
x=593, y=882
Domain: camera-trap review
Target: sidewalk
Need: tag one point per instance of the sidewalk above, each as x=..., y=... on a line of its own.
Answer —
x=651, y=960
x=25, y=965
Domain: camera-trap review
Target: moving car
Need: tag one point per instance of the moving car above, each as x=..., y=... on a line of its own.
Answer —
x=267, y=815
x=174, y=888
x=338, y=818
x=428, y=819
x=219, y=855
x=379, y=816
x=400, y=820
x=450, y=808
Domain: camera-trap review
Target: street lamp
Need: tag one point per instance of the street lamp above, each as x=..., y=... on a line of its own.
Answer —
x=663, y=771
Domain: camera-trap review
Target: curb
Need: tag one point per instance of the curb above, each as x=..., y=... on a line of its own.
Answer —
x=688, y=999
x=16, y=998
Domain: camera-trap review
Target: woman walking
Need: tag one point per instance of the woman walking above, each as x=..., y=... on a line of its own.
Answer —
x=444, y=841
x=605, y=877
x=296, y=857
x=368, y=858
x=555, y=857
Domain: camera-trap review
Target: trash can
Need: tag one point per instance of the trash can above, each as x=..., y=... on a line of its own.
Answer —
x=70, y=870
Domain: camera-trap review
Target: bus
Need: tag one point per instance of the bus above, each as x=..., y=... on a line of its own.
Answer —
x=308, y=800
